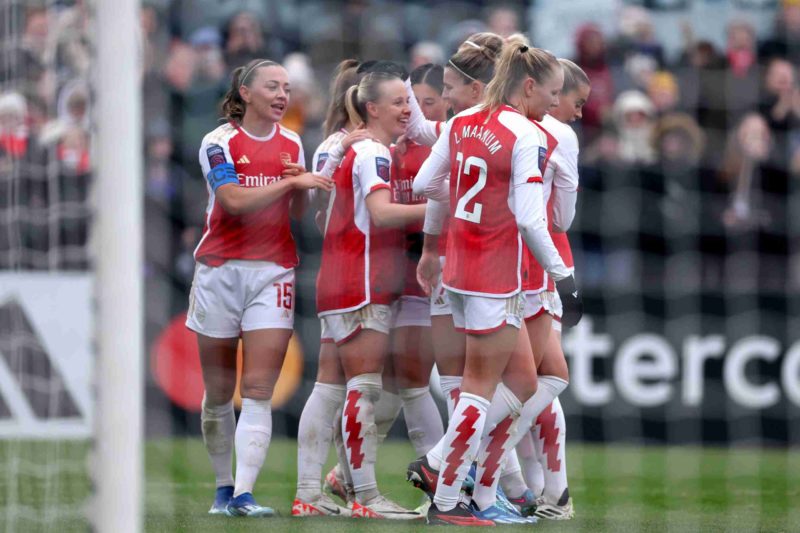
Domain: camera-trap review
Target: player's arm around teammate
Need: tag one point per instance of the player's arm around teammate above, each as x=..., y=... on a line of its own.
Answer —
x=244, y=279
x=358, y=278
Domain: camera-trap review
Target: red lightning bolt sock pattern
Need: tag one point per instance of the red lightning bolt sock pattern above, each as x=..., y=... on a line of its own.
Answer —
x=451, y=388
x=461, y=444
x=551, y=445
x=359, y=433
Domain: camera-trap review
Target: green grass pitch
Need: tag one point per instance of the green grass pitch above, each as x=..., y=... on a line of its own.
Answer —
x=615, y=488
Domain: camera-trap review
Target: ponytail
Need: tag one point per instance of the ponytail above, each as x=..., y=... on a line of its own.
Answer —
x=233, y=106
x=344, y=77
x=518, y=61
x=367, y=90
x=475, y=58
x=354, y=113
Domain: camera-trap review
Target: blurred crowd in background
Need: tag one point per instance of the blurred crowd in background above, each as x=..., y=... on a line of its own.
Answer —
x=690, y=147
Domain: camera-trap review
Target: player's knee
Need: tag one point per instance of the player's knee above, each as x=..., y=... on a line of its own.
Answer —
x=219, y=392
x=256, y=389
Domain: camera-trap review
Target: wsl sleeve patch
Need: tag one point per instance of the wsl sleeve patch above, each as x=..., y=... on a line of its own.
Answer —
x=382, y=166
x=323, y=157
x=542, y=158
x=216, y=155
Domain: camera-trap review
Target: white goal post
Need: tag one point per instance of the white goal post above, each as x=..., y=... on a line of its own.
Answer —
x=118, y=459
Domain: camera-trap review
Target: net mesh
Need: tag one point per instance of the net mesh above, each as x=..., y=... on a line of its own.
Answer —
x=45, y=179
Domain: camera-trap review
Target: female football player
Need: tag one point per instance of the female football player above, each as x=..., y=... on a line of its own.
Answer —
x=244, y=279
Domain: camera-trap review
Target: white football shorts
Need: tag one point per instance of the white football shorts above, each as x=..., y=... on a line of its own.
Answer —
x=240, y=296
x=413, y=311
x=440, y=305
x=341, y=327
x=480, y=315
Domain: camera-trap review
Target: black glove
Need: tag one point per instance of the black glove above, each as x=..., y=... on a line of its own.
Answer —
x=571, y=302
x=414, y=246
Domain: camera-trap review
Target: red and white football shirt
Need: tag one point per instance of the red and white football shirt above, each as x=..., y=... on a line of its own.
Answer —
x=258, y=161
x=360, y=262
x=489, y=154
x=560, y=175
x=406, y=166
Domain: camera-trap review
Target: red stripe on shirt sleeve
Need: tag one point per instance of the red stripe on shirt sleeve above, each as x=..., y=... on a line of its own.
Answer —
x=379, y=186
x=535, y=179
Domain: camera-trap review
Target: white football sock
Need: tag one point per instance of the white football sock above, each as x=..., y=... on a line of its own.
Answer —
x=218, y=424
x=253, y=433
x=451, y=387
x=529, y=459
x=549, y=388
x=341, y=451
x=422, y=419
x=462, y=440
x=551, y=448
x=314, y=436
x=387, y=409
x=360, y=433
x=494, y=446
x=511, y=476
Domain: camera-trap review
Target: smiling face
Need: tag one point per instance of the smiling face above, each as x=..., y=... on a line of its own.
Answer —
x=430, y=101
x=266, y=93
x=543, y=97
x=570, y=105
x=458, y=93
x=390, y=112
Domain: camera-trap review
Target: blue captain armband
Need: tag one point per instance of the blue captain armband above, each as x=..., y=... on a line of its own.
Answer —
x=221, y=175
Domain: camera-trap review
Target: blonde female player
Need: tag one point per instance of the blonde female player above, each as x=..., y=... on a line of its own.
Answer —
x=464, y=79
x=542, y=451
x=244, y=279
x=492, y=153
x=411, y=348
x=324, y=404
x=359, y=275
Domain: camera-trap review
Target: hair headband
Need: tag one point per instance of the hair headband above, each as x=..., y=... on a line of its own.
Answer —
x=251, y=69
x=450, y=62
x=473, y=44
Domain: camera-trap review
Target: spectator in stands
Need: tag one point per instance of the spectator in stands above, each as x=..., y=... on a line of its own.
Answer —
x=664, y=92
x=742, y=80
x=306, y=104
x=636, y=38
x=243, y=39
x=425, y=52
x=503, y=20
x=197, y=74
x=14, y=139
x=785, y=41
x=749, y=147
x=780, y=105
x=592, y=58
x=634, y=117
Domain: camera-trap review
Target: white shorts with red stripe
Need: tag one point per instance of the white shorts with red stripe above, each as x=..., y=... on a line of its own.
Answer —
x=558, y=310
x=480, y=315
x=440, y=305
x=240, y=296
x=413, y=311
x=324, y=335
x=539, y=303
x=341, y=327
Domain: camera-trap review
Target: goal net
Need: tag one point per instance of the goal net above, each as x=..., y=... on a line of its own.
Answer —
x=55, y=261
